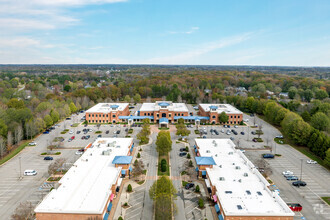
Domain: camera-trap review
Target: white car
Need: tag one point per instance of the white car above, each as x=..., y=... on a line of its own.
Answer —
x=30, y=173
x=235, y=126
x=287, y=173
x=115, y=132
x=311, y=162
x=243, y=151
x=79, y=153
x=222, y=131
x=279, y=136
x=32, y=143
x=246, y=120
x=71, y=132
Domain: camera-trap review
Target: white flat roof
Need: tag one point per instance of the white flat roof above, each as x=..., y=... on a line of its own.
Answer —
x=86, y=187
x=176, y=107
x=242, y=190
x=106, y=107
x=227, y=108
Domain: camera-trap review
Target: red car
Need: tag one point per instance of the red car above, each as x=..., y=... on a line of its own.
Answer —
x=72, y=137
x=296, y=207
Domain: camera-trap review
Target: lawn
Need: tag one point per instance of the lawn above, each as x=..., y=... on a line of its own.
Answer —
x=75, y=125
x=167, y=173
x=13, y=153
x=279, y=140
x=326, y=199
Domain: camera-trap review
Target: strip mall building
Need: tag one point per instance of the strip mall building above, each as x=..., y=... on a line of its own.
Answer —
x=214, y=110
x=88, y=189
x=107, y=112
x=238, y=189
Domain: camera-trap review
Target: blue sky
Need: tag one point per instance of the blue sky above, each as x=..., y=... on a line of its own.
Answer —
x=201, y=32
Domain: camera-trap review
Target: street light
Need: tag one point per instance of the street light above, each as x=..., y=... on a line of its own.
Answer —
x=20, y=168
x=301, y=168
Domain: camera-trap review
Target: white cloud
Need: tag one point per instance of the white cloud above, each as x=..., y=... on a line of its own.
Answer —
x=187, y=56
x=190, y=31
x=22, y=42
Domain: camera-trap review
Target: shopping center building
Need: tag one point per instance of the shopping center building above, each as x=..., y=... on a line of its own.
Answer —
x=89, y=187
x=212, y=111
x=107, y=112
x=235, y=185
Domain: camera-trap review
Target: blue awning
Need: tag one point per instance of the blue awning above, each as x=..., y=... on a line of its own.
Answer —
x=217, y=209
x=196, y=150
x=220, y=217
x=130, y=168
x=123, y=171
x=122, y=160
x=106, y=216
x=213, y=107
x=197, y=169
x=109, y=206
x=114, y=106
x=204, y=172
x=195, y=146
x=192, y=117
x=205, y=161
x=163, y=120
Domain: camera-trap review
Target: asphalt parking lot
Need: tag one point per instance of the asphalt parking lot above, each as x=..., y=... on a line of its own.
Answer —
x=136, y=202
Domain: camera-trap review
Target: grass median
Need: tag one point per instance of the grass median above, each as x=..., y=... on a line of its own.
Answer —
x=13, y=153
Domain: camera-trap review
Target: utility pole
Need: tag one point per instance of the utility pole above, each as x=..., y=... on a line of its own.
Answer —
x=20, y=168
x=301, y=169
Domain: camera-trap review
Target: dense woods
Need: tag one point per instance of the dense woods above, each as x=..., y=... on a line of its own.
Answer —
x=34, y=98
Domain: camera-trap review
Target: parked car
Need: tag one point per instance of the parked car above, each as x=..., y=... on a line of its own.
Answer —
x=225, y=126
x=107, y=132
x=287, y=173
x=32, y=143
x=255, y=140
x=246, y=120
x=83, y=137
x=45, y=132
x=291, y=178
x=71, y=132
x=216, y=132
x=78, y=132
x=235, y=126
x=296, y=207
x=204, y=137
x=68, y=119
x=268, y=156
x=242, y=133
x=279, y=136
x=311, y=162
x=82, y=150
x=99, y=135
x=85, y=125
x=48, y=158
x=299, y=183
x=231, y=138
x=79, y=152
x=30, y=173
x=182, y=154
x=253, y=132
x=118, y=132
x=73, y=137
x=88, y=136
x=182, y=149
x=69, y=140
x=243, y=151
x=189, y=185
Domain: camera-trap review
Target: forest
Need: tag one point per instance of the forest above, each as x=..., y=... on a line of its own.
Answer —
x=33, y=98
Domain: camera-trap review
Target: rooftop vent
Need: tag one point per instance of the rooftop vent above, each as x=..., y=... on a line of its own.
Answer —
x=237, y=167
x=245, y=174
x=220, y=166
x=221, y=178
x=213, y=142
x=248, y=192
x=230, y=153
x=228, y=192
x=259, y=193
x=239, y=207
x=216, y=155
x=240, y=180
x=233, y=163
x=208, y=151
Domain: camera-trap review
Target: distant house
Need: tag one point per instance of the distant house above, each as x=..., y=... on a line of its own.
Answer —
x=285, y=95
x=87, y=86
x=241, y=89
x=243, y=94
x=207, y=90
x=270, y=93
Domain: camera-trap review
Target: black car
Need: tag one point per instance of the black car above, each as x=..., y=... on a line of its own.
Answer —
x=216, y=132
x=299, y=183
x=78, y=132
x=242, y=133
x=85, y=125
x=99, y=135
x=189, y=185
x=182, y=149
x=118, y=132
x=107, y=132
x=48, y=158
x=182, y=154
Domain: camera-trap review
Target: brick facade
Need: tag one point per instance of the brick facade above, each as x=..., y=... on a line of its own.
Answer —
x=214, y=116
x=113, y=116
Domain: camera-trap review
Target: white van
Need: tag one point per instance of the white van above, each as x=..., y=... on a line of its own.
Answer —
x=30, y=173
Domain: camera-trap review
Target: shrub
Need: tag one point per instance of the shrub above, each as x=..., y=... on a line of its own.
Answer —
x=197, y=189
x=129, y=188
x=57, y=153
x=140, y=149
x=190, y=163
x=163, y=165
x=184, y=183
x=120, y=218
x=44, y=153
x=187, y=149
x=98, y=132
x=138, y=155
x=188, y=156
x=201, y=203
x=125, y=204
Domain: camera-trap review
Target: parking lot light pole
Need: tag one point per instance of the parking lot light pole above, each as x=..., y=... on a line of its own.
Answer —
x=301, y=168
x=20, y=168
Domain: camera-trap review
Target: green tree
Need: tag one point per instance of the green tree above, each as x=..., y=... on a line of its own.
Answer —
x=201, y=203
x=320, y=121
x=197, y=189
x=138, y=155
x=129, y=188
x=48, y=120
x=308, y=95
x=292, y=92
x=54, y=115
x=321, y=94
x=280, y=115
x=180, y=121
x=3, y=128
x=15, y=103
x=163, y=165
x=327, y=158
x=137, y=98
x=306, y=116
x=67, y=88
x=163, y=142
x=223, y=117
x=72, y=107
x=127, y=98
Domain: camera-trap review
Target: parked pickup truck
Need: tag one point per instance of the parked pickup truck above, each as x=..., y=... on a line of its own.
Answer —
x=296, y=207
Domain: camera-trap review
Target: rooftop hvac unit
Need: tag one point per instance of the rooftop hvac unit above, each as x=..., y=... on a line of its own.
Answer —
x=107, y=152
x=246, y=174
x=221, y=178
x=207, y=151
x=237, y=167
x=233, y=163
x=216, y=155
x=230, y=153
x=213, y=142
x=220, y=166
x=240, y=180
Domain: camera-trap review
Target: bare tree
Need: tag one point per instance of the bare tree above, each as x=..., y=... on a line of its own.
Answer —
x=259, y=130
x=263, y=167
x=24, y=211
x=56, y=165
x=138, y=168
x=148, y=99
x=18, y=134
x=2, y=147
x=9, y=141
